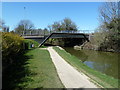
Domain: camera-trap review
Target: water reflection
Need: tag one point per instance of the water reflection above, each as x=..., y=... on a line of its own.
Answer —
x=105, y=62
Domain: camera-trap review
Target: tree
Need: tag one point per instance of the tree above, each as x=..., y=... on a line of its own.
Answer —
x=1, y=24
x=50, y=28
x=109, y=11
x=24, y=25
x=56, y=26
x=3, y=27
x=46, y=31
x=109, y=16
x=109, y=26
x=68, y=24
x=65, y=25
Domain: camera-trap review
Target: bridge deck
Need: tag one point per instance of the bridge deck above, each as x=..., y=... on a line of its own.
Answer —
x=58, y=35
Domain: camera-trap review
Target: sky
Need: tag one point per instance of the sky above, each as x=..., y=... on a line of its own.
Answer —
x=42, y=14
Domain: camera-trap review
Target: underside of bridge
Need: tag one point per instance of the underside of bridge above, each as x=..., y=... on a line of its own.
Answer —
x=66, y=42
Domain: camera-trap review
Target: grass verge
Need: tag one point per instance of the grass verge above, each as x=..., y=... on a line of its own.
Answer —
x=34, y=69
x=102, y=79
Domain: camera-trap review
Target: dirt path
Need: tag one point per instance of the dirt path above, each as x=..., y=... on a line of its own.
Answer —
x=69, y=76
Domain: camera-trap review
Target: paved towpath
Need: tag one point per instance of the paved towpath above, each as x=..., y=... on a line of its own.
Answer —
x=69, y=76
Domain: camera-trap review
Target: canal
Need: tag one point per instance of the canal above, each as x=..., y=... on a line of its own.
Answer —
x=105, y=62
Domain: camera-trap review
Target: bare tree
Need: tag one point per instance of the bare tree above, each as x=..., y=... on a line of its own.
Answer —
x=1, y=23
x=28, y=25
x=109, y=16
x=3, y=27
x=109, y=29
x=24, y=25
x=50, y=28
x=109, y=11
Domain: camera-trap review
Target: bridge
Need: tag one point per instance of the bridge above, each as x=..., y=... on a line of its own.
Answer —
x=44, y=37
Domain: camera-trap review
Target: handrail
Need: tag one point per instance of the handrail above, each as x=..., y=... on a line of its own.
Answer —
x=42, y=33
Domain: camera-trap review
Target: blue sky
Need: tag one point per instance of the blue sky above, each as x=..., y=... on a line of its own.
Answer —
x=42, y=14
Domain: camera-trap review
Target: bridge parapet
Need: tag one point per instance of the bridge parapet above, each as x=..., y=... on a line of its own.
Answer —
x=42, y=33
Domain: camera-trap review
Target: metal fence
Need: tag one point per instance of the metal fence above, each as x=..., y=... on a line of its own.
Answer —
x=46, y=32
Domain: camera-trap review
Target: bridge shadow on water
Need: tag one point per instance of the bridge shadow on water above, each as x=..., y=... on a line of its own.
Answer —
x=15, y=74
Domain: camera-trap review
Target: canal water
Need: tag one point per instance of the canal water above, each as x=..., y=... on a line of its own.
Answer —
x=105, y=62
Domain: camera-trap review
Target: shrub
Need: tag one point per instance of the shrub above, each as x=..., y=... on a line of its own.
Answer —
x=29, y=42
x=12, y=44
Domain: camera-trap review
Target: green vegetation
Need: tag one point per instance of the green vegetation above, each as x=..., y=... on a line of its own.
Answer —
x=26, y=67
x=29, y=42
x=107, y=36
x=12, y=44
x=65, y=25
x=102, y=79
x=34, y=69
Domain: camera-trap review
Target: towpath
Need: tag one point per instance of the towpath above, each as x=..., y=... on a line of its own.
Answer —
x=69, y=76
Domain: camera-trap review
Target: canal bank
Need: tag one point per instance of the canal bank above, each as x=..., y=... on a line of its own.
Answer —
x=69, y=76
x=102, y=79
x=104, y=62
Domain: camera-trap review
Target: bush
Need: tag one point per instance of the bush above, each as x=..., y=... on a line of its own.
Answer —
x=12, y=44
x=29, y=42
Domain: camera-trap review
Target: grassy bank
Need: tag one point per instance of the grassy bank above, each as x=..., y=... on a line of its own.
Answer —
x=33, y=70
x=102, y=79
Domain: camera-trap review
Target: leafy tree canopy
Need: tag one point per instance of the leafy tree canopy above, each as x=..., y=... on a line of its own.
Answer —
x=65, y=25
